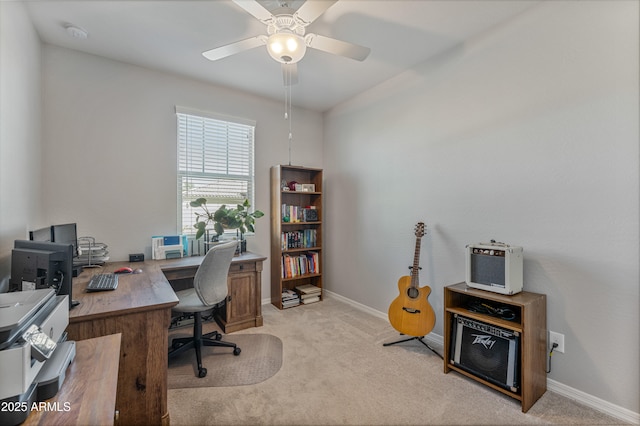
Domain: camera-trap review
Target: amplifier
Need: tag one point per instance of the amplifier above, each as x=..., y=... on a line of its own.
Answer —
x=494, y=267
x=486, y=351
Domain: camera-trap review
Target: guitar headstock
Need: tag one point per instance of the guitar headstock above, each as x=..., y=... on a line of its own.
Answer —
x=420, y=229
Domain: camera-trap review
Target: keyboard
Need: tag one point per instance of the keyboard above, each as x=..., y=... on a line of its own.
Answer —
x=103, y=282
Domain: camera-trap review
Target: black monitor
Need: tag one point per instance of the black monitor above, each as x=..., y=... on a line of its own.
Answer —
x=65, y=234
x=42, y=234
x=42, y=264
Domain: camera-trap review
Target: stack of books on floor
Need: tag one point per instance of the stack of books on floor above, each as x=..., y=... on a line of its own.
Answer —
x=309, y=293
x=289, y=298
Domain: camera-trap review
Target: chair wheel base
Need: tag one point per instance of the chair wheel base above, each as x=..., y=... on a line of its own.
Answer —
x=236, y=351
x=202, y=372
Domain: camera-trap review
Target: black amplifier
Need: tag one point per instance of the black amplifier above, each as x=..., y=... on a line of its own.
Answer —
x=486, y=351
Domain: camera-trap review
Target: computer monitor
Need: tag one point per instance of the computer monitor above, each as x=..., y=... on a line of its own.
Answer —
x=42, y=234
x=42, y=264
x=65, y=234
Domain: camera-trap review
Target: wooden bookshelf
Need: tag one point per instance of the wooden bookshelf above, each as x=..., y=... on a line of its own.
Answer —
x=295, y=235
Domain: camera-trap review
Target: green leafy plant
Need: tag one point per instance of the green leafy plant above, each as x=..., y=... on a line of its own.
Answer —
x=239, y=218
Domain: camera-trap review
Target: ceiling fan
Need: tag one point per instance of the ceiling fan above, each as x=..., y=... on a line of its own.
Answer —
x=287, y=40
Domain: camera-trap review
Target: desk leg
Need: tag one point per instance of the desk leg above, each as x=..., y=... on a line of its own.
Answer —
x=142, y=377
x=259, y=321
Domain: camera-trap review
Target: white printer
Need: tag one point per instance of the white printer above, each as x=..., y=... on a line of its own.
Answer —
x=34, y=353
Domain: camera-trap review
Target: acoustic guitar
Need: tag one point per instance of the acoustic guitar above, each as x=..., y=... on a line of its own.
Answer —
x=410, y=313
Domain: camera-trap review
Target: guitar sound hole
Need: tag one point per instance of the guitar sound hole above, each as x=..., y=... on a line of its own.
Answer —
x=413, y=292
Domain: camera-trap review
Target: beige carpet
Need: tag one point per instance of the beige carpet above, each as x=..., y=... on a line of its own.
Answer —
x=259, y=359
x=335, y=371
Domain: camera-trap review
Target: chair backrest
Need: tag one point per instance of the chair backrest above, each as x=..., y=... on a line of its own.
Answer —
x=210, y=281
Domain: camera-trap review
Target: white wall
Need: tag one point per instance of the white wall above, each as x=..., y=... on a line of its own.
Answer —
x=20, y=115
x=110, y=147
x=527, y=135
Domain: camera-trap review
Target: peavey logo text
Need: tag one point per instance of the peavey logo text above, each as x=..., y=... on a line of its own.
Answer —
x=484, y=340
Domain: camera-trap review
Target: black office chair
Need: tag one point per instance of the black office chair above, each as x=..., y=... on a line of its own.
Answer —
x=209, y=290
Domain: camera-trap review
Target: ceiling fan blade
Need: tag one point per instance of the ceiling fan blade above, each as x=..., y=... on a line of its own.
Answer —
x=337, y=47
x=233, y=48
x=256, y=9
x=311, y=10
x=290, y=74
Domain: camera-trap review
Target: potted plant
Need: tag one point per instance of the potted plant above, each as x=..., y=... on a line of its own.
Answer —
x=239, y=218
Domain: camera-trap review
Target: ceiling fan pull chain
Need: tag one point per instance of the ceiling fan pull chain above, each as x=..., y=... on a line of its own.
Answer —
x=287, y=104
x=290, y=122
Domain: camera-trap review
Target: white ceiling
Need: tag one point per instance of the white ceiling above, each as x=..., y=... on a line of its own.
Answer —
x=171, y=36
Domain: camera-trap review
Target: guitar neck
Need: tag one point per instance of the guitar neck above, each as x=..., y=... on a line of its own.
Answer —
x=416, y=261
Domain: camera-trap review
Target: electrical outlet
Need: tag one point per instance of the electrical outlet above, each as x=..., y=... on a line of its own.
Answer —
x=556, y=338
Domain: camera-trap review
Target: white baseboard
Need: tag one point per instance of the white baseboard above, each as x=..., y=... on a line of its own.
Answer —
x=552, y=385
x=594, y=402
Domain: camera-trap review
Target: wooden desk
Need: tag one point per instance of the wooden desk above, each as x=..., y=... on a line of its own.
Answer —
x=244, y=302
x=139, y=309
x=88, y=393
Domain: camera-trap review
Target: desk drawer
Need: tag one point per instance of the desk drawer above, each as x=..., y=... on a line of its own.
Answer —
x=180, y=274
x=242, y=267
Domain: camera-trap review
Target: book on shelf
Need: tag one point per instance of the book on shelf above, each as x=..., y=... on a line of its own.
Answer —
x=302, y=264
x=289, y=298
x=304, y=297
x=290, y=304
x=295, y=214
x=305, y=238
x=308, y=289
x=313, y=260
x=308, y=300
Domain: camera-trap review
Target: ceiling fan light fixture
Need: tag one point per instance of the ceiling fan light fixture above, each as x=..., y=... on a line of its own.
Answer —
x=286, y=47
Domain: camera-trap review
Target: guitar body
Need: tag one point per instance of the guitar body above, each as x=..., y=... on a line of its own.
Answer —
x=410, y=313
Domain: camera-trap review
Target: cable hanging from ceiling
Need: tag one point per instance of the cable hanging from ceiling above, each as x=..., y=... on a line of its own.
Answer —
x=287, y=103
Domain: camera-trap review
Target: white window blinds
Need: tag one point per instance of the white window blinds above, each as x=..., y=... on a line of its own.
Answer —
x=215, y=162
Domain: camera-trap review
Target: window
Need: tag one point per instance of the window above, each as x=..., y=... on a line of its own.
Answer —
x=215, y=162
